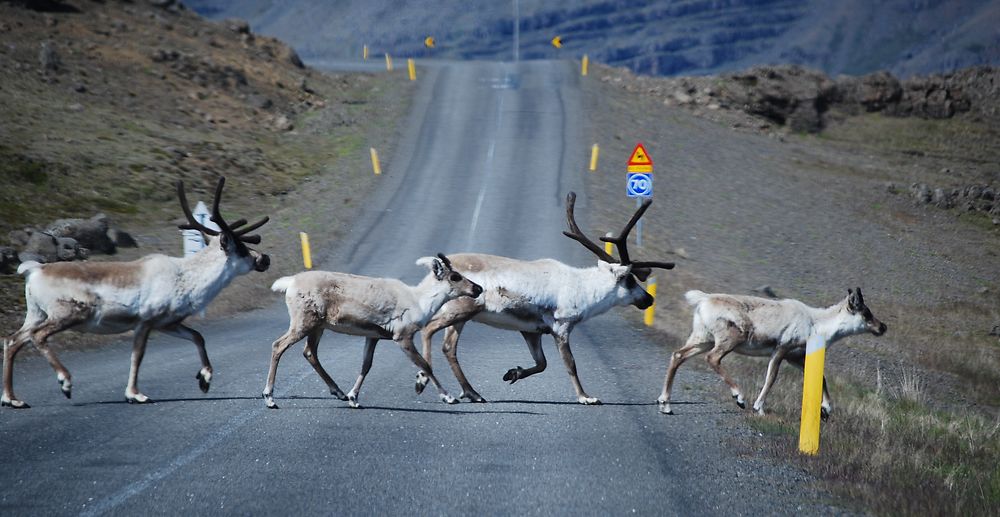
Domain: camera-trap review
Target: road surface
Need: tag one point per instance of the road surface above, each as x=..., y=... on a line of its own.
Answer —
x=488, y=154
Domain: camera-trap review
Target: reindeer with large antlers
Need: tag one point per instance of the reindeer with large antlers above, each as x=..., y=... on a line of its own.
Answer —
x=541, y=297
x=155, y=292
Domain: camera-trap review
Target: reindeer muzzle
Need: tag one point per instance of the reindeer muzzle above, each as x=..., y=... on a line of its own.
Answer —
x=476, y=290
x=262, y=263
x=879, y=329
x=644, y=302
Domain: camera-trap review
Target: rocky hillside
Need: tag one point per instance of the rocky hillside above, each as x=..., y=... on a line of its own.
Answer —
x=107, y=104
x=662, y=37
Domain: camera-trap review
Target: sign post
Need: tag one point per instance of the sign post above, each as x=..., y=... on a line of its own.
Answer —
x=639, y=181
x=193, y=240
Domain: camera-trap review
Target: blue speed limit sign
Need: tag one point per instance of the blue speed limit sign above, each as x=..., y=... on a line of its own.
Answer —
x=639, y=184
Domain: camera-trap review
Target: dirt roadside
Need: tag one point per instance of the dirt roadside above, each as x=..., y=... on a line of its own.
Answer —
x=811, y=216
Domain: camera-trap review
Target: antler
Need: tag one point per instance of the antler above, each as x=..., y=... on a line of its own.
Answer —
x=577, y=235
x=641, y=269
x=193, y=224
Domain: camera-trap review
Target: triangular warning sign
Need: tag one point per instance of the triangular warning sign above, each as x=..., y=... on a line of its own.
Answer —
x=640, y=156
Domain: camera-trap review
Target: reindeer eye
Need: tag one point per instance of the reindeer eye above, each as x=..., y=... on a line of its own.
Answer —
x=630, y=281
x=455, y=277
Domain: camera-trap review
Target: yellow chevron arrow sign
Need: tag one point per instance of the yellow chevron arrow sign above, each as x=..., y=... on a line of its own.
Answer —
x=557, y=42
x=429, y=42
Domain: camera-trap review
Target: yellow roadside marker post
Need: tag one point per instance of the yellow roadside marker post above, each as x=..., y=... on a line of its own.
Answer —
x=607, y=245
x=364, y=53
x=412, y=68
x=812, y=395
x=583, y=65
x=375, y=166
x=306, y=253
x=649, y=312
x=593, y=157
x=388, y=63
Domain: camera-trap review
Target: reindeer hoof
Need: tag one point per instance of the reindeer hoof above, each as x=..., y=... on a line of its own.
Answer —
x=513, y=375
x=740, y=402
x=339, y=394
x=14, y=404
x=590, y=401
x=472, y=397
x=204, y=380
x=352, y=401
x=138, y=398
x=824, y=414
x=421, y=383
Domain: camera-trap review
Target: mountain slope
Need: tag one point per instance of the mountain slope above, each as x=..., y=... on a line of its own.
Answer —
x=657, y=37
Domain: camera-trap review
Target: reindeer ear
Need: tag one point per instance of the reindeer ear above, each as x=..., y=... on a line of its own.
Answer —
x=435, y=265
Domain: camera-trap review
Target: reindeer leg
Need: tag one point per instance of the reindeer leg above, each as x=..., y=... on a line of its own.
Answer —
x=38, y=332
x=366, y=364
x=132, y=394
x=562, y=343
x=10, y=349
x=696, y=344
x=452, y=313
x=204, y=375
x=772, y=375
x=293, y=335
x=534, y=341
x=724, y=345
x=311, y=353
x=407, y=345
x=826, y=407
x=450, y=349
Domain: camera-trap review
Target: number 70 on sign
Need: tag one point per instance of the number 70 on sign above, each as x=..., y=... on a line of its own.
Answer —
x=639, y=184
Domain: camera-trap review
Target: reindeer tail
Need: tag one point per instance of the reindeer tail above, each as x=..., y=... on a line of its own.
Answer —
x=282, y=284
x=695, y=297
x=26, y=268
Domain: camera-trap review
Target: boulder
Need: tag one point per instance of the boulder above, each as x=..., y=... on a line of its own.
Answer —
x=237, y=25
x=90, y=233
x=783, y=94
x=122, y=239
x=8, y=260
x=41, y=247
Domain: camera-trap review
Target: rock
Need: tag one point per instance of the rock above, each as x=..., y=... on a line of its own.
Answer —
x=921, y=193
x=122, y=239
x=90, y=233
x=305, y=86
x=942, y=199
x=766, y=291
x=281, y=123
x=682, y=98
x=988, y=194
x=164, y=55
x=872, y=92
x=259, y=101
x=19, y=238
x=48, y=57
x=80, y=88
x=8, y=260
x=41, y=247
x=68, y=249
x=995, y=331
x=783, y=94
x=237, y=25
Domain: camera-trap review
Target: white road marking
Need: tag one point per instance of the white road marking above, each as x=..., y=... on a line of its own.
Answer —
x=490, y=153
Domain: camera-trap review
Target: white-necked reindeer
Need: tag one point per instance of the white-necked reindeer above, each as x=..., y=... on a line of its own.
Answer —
x=749, y=325
x=155, y=292
x=541, y=297
x=375, y=308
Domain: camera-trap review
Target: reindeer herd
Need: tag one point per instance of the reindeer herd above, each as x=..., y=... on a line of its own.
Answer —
x=537, y=297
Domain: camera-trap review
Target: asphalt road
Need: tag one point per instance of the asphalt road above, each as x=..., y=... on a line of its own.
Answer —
x=488, y=155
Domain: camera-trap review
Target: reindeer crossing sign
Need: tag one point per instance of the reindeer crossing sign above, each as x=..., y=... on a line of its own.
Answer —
x=639, y=173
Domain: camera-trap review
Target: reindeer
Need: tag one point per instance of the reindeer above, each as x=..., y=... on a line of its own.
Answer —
x=749, y=325
x=541, y=297
x=155, y=292
x=375, y=308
